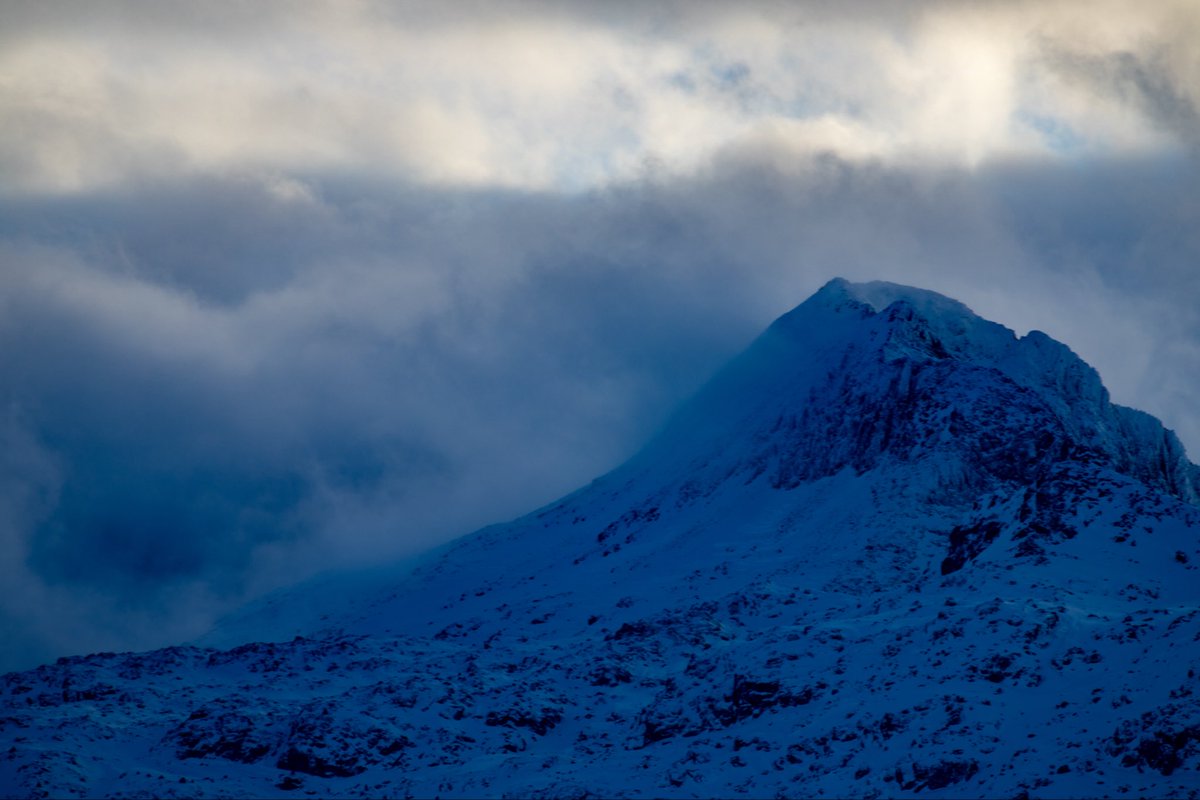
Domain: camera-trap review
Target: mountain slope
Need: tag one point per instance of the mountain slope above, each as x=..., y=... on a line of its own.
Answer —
x=892, y=548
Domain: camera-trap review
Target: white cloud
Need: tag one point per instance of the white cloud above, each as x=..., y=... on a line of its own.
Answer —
x=563, y=100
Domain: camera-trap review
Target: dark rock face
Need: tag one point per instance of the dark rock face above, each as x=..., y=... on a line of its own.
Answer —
x=968, y=541
x=940, y=775
x=223, y=733
x=750, y=698
x=311, y=763
x=909, y=410
x=1158, y=740
x=540, y=722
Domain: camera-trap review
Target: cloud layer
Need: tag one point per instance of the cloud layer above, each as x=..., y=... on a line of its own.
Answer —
x=536, y=96
x=282, y=291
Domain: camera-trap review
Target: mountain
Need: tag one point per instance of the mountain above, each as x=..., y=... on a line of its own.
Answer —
x=891, y=549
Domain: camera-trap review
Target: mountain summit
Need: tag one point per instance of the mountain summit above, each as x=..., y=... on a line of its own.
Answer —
x=891, y=549
x=873, y=372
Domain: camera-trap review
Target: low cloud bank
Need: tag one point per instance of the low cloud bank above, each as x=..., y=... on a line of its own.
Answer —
x=211, y=388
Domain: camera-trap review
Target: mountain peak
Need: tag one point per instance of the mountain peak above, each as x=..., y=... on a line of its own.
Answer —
x=879, y=295
x=891, y=548
x=906, y=322
x=866, y=373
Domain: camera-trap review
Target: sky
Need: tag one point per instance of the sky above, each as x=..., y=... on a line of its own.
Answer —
x=291, y=287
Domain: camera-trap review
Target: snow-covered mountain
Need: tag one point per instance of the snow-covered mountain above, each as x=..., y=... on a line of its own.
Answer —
x=891, y=549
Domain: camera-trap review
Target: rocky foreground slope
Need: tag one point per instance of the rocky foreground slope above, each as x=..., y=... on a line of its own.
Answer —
x=891, y=550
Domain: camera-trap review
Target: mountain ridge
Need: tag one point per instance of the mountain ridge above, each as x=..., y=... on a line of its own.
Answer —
x=877, y=550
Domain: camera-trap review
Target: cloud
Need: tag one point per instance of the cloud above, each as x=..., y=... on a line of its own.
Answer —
x=428, y=361
x=530, y=97
x=284, y=291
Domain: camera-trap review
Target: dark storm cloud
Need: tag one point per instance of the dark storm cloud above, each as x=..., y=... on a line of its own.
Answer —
x=217, y=384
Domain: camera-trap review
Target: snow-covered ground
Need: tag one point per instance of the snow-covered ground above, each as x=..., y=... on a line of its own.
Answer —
x=892, y=549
